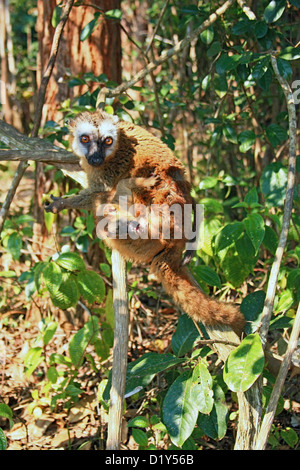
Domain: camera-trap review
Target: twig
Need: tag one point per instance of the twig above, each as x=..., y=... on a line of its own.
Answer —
x=48, y=72
x=120, y=351
x=272, y=405
x=248, y=12
x=288, y=205
x=105, y=92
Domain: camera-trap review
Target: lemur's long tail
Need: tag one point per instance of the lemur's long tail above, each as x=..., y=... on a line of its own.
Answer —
x=182, y=287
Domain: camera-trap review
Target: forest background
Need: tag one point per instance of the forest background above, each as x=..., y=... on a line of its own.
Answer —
x=216, y=96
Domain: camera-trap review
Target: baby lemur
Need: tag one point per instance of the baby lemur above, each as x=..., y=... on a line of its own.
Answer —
x=122, y=158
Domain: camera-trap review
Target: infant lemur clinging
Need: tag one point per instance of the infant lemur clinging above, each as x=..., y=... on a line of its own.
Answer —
x=112, y=151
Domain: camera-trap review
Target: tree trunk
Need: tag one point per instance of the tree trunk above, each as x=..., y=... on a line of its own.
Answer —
x=100, y=53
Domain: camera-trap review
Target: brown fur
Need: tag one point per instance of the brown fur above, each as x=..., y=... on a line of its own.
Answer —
x=142, y=155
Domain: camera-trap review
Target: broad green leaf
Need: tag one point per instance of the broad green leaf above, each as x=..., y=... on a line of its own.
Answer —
x=273, y=184
x=270, y=240
x=208, y=182
x=252, y=307
x=274, y=10
x=207, y=36
x=244, y=364
x=255, y=229
x=49, y=332
x=214, y=49
x=211, y=227
x=230, y=134
x=260, y=68
x=286, y=300
x=229, y=234
x=6, y=412
x=179, y=412
x=227, y=63
x=246, y=140
x=70, y=261
x=184, y=336
x=115, y=14
x=82, y=339
x=38, y=269
x=141, y=372
x=52, y=277
x=91, y=286
x=90, y=27
x=260, y=29
x=214, y=425
x=290, y=53
x=251, y=196
x=3, y=441
x=67, y=295
x=56, y=16
x=140, y=437
x=52, y=374
x=208, y=275
x=220, y=85
x=202, y=393
x=139, y=422
x=14, y=245
x=290, y=437
x=32, y=360
x=276, y=134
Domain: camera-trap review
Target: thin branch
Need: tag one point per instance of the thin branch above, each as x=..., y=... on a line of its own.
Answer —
x=275, y=395
x=105, y=92
x=288, y=205
x=48, y=72
x=119, y=353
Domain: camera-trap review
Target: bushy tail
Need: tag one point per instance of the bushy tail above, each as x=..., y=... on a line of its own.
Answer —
x=182, y=287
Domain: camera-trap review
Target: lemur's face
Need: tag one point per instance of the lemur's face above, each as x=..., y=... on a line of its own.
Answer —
x=95, y=137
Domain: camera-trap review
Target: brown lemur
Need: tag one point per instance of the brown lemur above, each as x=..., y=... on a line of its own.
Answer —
x=122, y=158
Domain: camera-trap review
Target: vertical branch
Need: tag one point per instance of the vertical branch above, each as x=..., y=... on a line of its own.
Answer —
x=288, y=205
x=120, y=352
x=272, y=405
x=38, y=114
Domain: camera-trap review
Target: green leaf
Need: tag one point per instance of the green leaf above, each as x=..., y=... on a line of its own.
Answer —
x=56, y=16
x=255, y=229
x=32, y=360
x=220, y=85
x=229, y=234
x=286, y=300
x=274, y=11
x=214, y=49
x=251, y=196
x=214, y=425
x=6, y=412
x=184, y=336
x=290, y=437
x=290, y=53
x=276, y=134
x=273, y=184
x=260, y=68
x=202, y=392
x=260, y=29
x=207, y=36
x=52, y=277
x=179, y=412
x=70, y=261
x=139, y=422
x=208, y=275
x=140, y=437
x=49, y=332
x=38, y=269
x=90, y=27
x=246, y=140
x=244, y=364
x=252, y=307
x=14, y=245
x=270, y=240
x=230, y=134
x=91, y=286
x=82, y=339
x=67, y=295
x=3, y=441
x=227, y=63
x=141, y=372
x=52, y=374
x=208, y=182
x=115, y=14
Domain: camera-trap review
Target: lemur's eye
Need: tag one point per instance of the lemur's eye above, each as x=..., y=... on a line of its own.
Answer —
x=84, y=139
x=108, y=141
